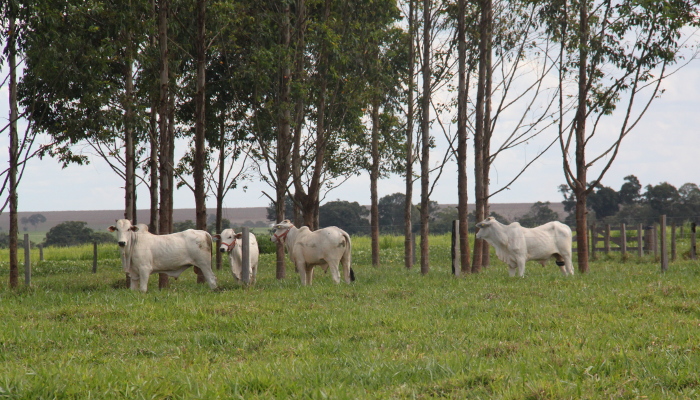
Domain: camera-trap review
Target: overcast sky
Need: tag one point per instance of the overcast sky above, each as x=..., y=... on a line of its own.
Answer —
x=664, y=147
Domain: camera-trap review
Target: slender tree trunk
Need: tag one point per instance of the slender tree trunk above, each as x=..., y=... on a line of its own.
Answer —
x=220, y=183
x=425, y=145
x=130, y=173
x=486, y=140
x=479, y=133
x=165, y=212
x=14, y=150
x=200, y=120
x=581, y=180
x=408, y=225
x=153, y=224
x=374, y=177
x=284, y=140
x=299, y=114
x=200, y=126
x=462, y=100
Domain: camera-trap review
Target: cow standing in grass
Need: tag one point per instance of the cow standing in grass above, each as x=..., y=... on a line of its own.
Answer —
x=325, y=247
x=516, y=245
x=144, y=254
x=232, y=243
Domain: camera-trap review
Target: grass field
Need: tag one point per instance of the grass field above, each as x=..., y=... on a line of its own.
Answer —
x=624, y=330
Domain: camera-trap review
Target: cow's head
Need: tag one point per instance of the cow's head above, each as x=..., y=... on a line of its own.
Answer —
x=228, y=239
x=280, y=231
x=123, y=227
x=484, y=227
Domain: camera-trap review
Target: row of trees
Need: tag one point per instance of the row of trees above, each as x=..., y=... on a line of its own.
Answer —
x=304, y=93
x=631, y=205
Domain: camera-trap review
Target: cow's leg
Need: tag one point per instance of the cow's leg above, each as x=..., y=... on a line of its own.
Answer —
x=254, y=273
x=562, y=264
x=521, y=268
x=208, y=276
x=309, y=274
x=335, y=274
x=301, y=269
x=134, y=282
x=144, y=273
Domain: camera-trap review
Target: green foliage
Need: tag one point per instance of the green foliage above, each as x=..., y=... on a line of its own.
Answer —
x=620, y=330
x=539, y=214
x=350, y=217
x=72, y=233
x=180, y=226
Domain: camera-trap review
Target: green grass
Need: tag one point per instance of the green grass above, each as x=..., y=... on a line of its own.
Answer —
x=624, y=330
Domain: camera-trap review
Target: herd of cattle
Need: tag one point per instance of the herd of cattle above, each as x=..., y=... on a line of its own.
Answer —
x=144, y=253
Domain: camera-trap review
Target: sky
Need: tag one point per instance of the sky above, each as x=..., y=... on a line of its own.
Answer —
x=664, y=147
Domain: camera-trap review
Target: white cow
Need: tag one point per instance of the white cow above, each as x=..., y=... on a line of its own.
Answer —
x=515, y=244
x=232, y=243
x=145, y=254
x=325, y=247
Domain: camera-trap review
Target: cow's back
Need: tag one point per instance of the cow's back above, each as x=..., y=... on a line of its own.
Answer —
x=319, y=245
x=163, y=252
x=547, y=239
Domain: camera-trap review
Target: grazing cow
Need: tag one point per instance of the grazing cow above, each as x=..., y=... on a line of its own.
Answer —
x=232, y=243
x=515, y=245
x=144, y=254
x=325, y=247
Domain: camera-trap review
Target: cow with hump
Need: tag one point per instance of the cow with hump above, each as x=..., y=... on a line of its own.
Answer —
x=516, y=245
x=325, y=247
x=144, y=253
x=231, y=242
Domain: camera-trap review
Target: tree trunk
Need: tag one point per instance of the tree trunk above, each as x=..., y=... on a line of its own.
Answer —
x=284, y=141
x=425, y=145
x=14, y=152
x=486, y=140
x=220, y=183
x=200, y=121
x=165, y=213
x=130, y=173
x=462, y=99
x=153, y=224
x=373, y=178
x=408, y=225
x=580, y=190
x=479, y=132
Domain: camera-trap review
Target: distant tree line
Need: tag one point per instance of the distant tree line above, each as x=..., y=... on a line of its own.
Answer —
x=632, y=205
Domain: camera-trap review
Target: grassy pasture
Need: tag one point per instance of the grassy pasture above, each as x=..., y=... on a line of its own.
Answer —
x=624, y=330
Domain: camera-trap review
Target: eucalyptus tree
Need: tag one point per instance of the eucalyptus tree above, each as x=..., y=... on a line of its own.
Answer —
x=384, y=69
x=329, y=110
x=618, y=54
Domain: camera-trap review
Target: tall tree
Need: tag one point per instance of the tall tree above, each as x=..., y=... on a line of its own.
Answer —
x=425, y=139
x=407, y=217
x=462, y=190
x=611, y=70
x=200, y=119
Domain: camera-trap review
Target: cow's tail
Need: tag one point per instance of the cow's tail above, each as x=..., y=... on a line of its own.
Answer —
x=346, y=260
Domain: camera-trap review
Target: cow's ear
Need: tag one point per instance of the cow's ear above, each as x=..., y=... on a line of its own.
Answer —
x=134, y=228
x=239, y=235
x=112, y=228
x=216, y=237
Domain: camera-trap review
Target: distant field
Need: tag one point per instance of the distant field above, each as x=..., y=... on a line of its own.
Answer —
x=624, y=330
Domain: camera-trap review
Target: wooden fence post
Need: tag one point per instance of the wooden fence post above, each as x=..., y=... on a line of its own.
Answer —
x=623, y=240
x=693, y=250
x=413, y=248
x=245, y=254
x=673, y=241
x=664, y=253
x=654, y=240
x=94, y=257
x=607, y=239
x=27, y=261
x=640, y=241
x=456, y=268
x=41, y=252
x=594, y=241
